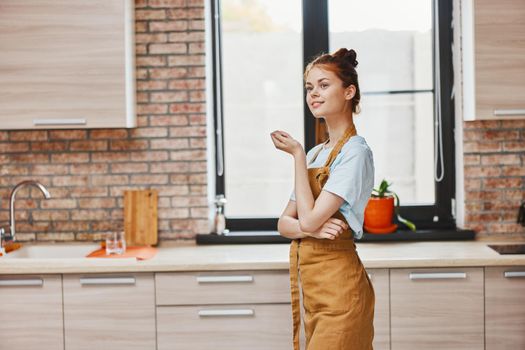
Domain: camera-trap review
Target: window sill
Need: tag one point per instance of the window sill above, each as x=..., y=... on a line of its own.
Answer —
x=400, y=235
x=421, y=235
x=240, y=238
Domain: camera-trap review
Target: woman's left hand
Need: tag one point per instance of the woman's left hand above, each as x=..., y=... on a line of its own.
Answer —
x=284, y=142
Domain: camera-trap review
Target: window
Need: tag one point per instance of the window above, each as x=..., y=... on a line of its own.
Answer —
x=405, y=70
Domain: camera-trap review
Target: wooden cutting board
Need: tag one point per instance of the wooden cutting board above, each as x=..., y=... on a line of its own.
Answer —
x=140, y=217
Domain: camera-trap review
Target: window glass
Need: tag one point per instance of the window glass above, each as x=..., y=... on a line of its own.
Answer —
x=394, y=52
x=262, y=91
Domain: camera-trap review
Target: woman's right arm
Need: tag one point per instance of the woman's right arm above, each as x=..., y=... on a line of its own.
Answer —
x=288, y=225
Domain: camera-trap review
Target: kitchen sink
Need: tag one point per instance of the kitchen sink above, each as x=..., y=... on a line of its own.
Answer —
x=52, y=251
x=508, y=248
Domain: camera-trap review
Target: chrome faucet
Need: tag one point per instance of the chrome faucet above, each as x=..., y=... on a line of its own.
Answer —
x=12, y=198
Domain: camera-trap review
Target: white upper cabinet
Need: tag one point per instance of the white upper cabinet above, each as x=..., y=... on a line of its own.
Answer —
x=493, y=59
x=67, y=64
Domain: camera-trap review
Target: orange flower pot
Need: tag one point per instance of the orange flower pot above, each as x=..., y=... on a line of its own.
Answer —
x=378, y=215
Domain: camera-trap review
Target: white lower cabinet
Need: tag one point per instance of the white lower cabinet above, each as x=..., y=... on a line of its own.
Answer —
x=431, y=308
x=380, y=279
x=109, y=311
x=505, y=308
x=31, y=312
x=437, y=308
x=225, y=327
x=230, y=310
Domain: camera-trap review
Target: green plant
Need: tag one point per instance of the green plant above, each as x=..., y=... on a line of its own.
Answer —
x=384, y=191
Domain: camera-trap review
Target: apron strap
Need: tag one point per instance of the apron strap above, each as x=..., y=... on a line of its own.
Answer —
x=318, y=151
x=296, y=298
x=322, y=176
x=351, y=131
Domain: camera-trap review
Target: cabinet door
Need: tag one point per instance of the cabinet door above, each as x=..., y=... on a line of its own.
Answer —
x=381, y=281
x=31, y=312
x=225, y=327
x=505, y=308
x=109, y=312
x=67, y=64
x=493, y=59
x=437, y=308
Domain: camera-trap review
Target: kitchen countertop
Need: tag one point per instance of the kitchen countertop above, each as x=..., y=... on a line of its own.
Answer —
x=191, y=257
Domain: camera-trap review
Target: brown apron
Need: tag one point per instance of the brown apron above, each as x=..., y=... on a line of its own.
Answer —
x=338, y=297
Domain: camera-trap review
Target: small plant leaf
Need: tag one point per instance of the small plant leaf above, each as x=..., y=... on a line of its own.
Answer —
x=396, y=201
x=409, y=224
x=382, y=190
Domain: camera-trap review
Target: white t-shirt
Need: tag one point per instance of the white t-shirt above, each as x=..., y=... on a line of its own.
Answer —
x=351, y=178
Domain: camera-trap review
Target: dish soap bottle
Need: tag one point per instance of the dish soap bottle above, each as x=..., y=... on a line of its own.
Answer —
x=219, y=224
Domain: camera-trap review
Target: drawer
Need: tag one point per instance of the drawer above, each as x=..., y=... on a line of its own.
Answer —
x=225, y=327
x=227, y=287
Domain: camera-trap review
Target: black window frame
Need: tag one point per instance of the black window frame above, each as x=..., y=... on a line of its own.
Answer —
x=315, y=41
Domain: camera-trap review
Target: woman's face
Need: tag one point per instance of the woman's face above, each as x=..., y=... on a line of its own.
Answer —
x=325, y=94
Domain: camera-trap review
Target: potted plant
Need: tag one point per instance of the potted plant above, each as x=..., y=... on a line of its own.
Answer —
x=380, y=209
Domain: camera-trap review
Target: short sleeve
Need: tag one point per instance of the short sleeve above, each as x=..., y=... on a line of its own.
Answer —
x=353, y=177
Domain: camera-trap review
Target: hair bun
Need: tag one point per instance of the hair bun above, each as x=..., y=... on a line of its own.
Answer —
x=348, y=55
x=351, y=55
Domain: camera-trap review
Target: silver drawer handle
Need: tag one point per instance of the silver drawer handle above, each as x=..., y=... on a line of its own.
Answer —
x=436, y=275
x=232, y=312
x=512, y=274
x=224, y=279
x=21, y=283
x=59, y=122
x=509, y=112
x=106, y=280
x=369, y=276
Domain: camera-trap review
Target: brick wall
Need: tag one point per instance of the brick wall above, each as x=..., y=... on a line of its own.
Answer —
x=494, y=155
x=87, y=171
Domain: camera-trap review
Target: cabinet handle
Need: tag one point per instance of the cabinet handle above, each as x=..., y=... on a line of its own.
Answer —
x=436, y=275
x=22, y=283
x=224, y=279
x=37, y=122
x=502, y=112
x=230, y=312
x=106, y=280
x=369, y=276
x=512, y=274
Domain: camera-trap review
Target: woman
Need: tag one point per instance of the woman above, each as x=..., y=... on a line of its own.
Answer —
x=332, y=185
